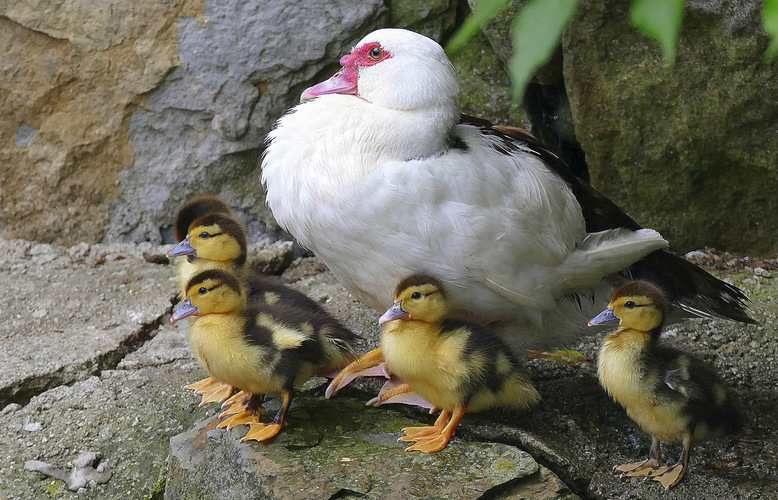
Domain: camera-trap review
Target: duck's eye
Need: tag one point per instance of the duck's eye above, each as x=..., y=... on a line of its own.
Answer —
x=202, y=290
x=629, y=304
x=415, y=295
x=375, y=53
x=205, y=235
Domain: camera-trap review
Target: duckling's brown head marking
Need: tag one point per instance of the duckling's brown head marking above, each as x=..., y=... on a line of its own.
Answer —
x=418, y=298
x=218, y=237
x=215, y=291
x=196, y=208
x=639, y=305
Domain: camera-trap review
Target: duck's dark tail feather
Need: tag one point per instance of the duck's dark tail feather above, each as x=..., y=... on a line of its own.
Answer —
x=691, y=289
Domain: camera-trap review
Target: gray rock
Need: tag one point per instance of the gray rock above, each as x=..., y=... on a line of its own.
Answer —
x=74, y=312
x=676, y=148
x=130, y=410
x=666, y=144
x=339, y=448
x=203, y=128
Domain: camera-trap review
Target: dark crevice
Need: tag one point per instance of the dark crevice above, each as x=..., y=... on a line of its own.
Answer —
x=347, y=493
x=576, y=484
x=508, y=487
x=549, y=111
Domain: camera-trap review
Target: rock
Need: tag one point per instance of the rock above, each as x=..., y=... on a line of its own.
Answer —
x=207, y=122
x=484, y=85
x=270, y=257
x=76, y=73
x=340, y=448
x=97, y=305
x=677, y=148
x=130, y=410
x=667, y=145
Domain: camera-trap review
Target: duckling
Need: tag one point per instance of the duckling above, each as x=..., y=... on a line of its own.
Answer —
x=194, y=209
x=217, y=240
x=214, y=240
x=671, y=395
x=260, y=347
x=456, y=365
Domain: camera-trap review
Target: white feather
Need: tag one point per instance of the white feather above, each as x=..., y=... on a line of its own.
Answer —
x=371, y=186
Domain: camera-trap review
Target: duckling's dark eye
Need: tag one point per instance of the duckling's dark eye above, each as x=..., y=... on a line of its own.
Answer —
x=415, y=295
x=202, y=290
x=205, y=235
x=629, y=304
x=375, y=53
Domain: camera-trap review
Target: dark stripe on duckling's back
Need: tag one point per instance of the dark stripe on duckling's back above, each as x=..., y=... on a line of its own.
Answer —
x=483, y=342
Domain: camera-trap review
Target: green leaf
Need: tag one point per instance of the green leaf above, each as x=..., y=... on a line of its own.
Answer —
x=660, y=20
x=770, y=23
x=536, y=32
x=484, y=11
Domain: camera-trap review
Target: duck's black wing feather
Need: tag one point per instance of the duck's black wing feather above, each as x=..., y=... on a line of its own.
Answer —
x=688, y=287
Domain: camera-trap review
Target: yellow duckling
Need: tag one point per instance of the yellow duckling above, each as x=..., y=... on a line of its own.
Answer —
x=262, y=348
x=198, y=216
x=194, y=209
x=214, y=240
x=217, y=241
x=455, y=365
x=672, y=396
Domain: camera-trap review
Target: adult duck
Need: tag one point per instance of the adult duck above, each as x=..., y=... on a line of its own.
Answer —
x=378, y=174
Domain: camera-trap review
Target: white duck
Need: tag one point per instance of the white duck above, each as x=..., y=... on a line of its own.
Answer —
x=377, y=173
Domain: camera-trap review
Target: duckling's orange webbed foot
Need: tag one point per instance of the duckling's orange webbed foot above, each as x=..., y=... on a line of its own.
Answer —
x=638, y=469
x=670, y=476
x=369, y=364
x=262, y=432
x=242, y=413
x=240, y=398
x=217, y=395
x=202, y=385
x=435, y=438
x=395, y=392
x=211, y=390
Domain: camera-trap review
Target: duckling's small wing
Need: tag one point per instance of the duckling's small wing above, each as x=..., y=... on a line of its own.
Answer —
x=691, y=378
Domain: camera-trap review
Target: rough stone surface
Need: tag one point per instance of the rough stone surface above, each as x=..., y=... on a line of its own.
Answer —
x=73, y=311
x=121, y=111
x=484, y=85
x=129, y=410
x=688, y=151
x=327, y=451
x=203, y=128
x=73, y=74
x=668, y=144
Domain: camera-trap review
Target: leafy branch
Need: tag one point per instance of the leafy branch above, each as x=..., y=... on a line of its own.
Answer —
x=537, y=29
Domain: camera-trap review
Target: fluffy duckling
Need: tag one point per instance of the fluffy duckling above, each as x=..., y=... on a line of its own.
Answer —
x=194, y=209
x=262, y=348
x=672, y=396
x=191, y=217
x=214, y=240
x=455, y=365
x=218, y=241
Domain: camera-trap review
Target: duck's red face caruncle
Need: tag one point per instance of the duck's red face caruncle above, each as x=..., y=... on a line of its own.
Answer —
x=345, y=81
